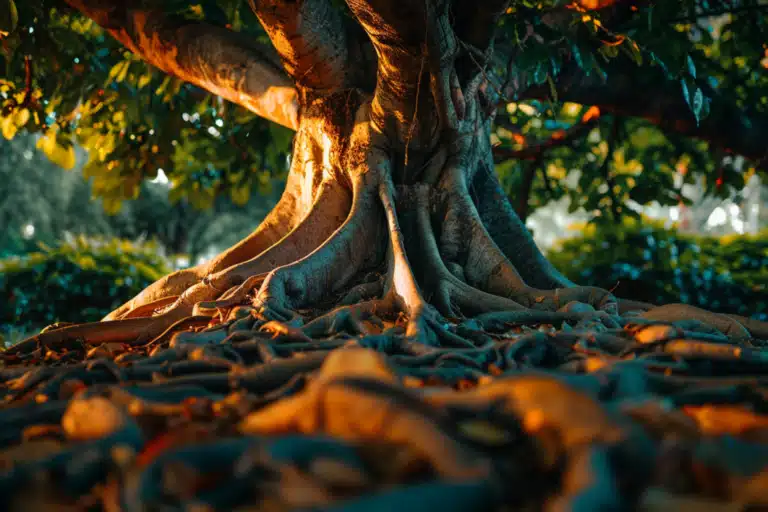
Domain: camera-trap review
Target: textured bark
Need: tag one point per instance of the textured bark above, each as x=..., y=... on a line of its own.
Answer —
x=392, y=157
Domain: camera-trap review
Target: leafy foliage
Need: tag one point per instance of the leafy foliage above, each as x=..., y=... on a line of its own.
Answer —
x=714, y=47
x=73, y=84
x=43, y=203
x=80, y=281
x=655, y=264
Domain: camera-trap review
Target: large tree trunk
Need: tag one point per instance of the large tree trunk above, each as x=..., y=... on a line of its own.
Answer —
x=393, y=232
x=375, y=173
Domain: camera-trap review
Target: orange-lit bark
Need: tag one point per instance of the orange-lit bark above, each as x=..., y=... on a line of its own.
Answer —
x=214, y=58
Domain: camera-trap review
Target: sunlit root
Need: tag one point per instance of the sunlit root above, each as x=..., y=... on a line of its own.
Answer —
x=355, y=397
x=328, y=212
x=171, y=285
x=237, y=295
x=279, y=221
x=150, y=308
x=134, y=331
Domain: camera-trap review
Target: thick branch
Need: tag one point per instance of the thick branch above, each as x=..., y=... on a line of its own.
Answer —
x=647, y=94
x=318, y=49
x=216, y=59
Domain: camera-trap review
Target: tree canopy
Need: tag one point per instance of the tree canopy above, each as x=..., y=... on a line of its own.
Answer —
x=610, y=89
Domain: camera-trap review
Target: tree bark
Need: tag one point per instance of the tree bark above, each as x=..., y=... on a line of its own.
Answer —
x=389, y=170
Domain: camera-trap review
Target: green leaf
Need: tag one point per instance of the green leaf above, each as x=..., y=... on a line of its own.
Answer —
x=698, y=103
x=9, y=17
x=577, y=56
x=686, y=92
x=705, y=107
x=691, y=67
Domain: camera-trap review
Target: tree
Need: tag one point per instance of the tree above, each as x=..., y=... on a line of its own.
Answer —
x=392, y=218
x=40, y=202
x=409, y=119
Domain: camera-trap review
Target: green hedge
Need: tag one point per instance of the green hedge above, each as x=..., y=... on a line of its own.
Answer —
x=646, y=261
x=79, y=281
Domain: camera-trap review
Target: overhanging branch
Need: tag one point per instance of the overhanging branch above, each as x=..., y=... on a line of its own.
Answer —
x=646, y=93
x=560, y=138
x=216, y=59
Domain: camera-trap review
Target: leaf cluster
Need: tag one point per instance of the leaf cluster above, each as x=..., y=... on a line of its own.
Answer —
x=70, y=82
x=708, y=48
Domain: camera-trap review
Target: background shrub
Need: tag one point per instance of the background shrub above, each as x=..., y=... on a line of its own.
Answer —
x=76, y=281
x=646, y=261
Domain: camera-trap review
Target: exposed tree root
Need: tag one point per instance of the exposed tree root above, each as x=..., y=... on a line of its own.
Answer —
x=279, y=222
x=134, y=331
x=328, y=212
